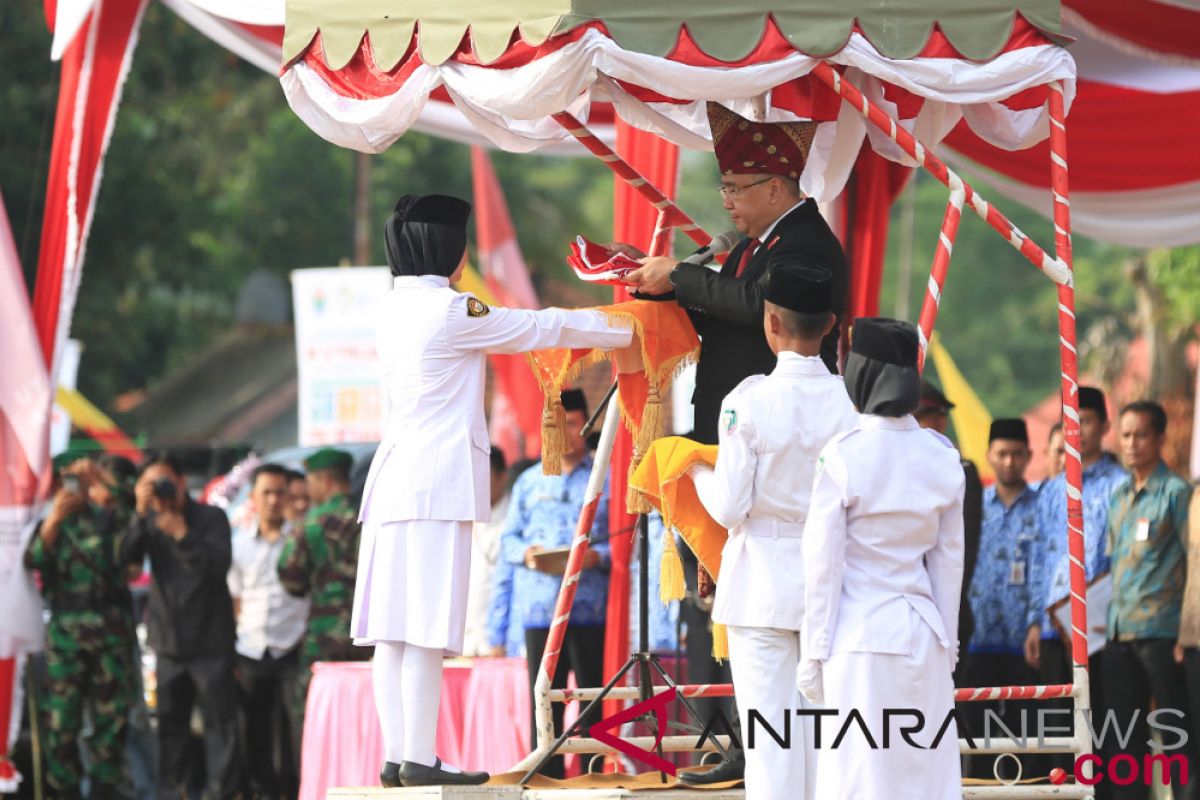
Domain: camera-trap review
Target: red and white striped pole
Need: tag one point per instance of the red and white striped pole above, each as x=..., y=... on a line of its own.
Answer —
x=670, y=214
x=1057, y=271
x=937, y=274
x=1069, y=357
x=543, y=719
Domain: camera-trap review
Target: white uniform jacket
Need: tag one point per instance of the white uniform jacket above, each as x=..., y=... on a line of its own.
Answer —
x=884, y=535
x=771, y=430
x=433, y=461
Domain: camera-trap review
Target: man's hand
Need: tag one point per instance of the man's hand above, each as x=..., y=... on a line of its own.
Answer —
x=615, y=248
x=1178, y=653
x=705, y=585
x=497, y=652
x=530, y=553
x=143, y=492
x=1033, y=646
x=654, y=277
x=591, y=560
x=66, y=503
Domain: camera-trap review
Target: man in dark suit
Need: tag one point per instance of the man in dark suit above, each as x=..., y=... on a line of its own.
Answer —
x=760, y=167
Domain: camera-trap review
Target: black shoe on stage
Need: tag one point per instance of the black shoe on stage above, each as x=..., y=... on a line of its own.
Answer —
x=731, y=768
x=413, y=774
x=389, y=778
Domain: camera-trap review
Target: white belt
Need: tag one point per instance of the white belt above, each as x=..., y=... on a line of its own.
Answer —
x=772, y=528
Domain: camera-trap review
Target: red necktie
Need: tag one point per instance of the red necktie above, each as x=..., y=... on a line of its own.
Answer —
x=747, y=254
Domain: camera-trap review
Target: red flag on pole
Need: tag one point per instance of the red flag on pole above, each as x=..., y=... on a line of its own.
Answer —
x=516, y=413
x=25, y=400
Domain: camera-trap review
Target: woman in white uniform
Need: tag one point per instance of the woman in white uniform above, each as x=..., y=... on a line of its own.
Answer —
x=429, y=481
x=883, y=563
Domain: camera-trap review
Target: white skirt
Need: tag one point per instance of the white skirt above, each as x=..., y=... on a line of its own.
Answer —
x=412, y=584
x=870, y=683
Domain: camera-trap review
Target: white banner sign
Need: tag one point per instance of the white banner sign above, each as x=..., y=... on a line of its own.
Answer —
x=341, y=395
x=68, y=373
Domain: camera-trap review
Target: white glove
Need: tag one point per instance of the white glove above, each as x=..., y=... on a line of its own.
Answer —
x=810, y=681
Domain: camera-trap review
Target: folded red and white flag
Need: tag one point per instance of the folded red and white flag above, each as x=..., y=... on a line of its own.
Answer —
x=593, y=264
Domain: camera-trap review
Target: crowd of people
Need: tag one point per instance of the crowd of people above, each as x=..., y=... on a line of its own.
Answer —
x=235, y=619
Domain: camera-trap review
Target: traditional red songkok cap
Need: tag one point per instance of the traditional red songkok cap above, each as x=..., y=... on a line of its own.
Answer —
x=751, y=148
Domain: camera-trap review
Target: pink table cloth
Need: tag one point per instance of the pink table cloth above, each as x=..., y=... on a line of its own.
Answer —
x=483, y=722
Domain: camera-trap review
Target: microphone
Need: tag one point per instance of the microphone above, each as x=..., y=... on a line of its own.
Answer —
x=722, y=243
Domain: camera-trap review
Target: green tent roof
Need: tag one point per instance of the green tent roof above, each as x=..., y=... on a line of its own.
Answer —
x=724, y=29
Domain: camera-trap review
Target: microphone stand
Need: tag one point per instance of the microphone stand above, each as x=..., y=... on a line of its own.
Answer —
x=646, y=662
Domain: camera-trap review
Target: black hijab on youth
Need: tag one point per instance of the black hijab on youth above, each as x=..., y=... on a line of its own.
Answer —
x=427, y=235
x=881, y=370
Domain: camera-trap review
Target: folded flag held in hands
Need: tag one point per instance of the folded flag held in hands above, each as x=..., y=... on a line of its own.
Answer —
x=593, y=264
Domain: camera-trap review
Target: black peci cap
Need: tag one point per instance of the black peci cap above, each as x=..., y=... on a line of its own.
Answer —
x=806, y=290
x=890, y=341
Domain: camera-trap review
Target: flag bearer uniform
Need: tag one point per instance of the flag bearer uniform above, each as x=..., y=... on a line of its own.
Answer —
x=428, y=482
x=771, y=429
x=883, y=560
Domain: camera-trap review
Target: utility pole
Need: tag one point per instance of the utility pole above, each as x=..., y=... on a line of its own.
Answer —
x=362, y=209
x=908, y=216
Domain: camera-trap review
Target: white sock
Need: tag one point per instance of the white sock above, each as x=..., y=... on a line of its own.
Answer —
x=421, y=695
x=387, y=679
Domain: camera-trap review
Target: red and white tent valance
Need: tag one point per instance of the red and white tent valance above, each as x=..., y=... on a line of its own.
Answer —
x=511, y=99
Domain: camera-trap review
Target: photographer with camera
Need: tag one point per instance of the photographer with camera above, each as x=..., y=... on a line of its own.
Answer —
x=191, y=624
x=89, y=641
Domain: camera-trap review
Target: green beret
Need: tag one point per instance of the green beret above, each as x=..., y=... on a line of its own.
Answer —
x=329, y=458
x=66, y=458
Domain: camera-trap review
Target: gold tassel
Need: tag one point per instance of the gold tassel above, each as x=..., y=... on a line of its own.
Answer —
x=554, y=434
x=720, y=637
x=653, y=419
x=670, y=574
x=635, y=501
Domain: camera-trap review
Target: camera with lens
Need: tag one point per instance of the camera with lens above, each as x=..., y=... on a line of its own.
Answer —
x=164, y=489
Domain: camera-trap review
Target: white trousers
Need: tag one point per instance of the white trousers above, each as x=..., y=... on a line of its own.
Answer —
x=763, y=662
x=872, y=683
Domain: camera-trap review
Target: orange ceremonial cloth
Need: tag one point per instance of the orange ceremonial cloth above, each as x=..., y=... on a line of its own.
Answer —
x=668, y=342
x=663, y=479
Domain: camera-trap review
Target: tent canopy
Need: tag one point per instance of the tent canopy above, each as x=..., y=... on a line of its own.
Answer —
x=361, y=73
x=486, y=30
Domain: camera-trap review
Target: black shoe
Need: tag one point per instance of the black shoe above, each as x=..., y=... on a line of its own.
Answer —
x=731, y=768
x=389, y=778
x=413, y=774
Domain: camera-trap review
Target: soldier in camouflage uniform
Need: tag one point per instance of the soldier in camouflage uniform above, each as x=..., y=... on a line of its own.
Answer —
x=321, y=561
x=89, y=641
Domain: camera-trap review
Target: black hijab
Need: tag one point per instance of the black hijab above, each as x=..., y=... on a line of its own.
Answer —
x=881, y=370
x=427, y=235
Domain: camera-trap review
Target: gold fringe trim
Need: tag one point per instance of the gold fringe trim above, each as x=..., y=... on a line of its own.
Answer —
x=720, y=637
x=671, y=584
x=653, y=416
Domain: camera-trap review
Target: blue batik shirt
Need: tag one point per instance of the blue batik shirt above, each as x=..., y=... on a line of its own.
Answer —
x=1049, y=571
x=544, y=510
x=503, y=626
x=999, y=591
